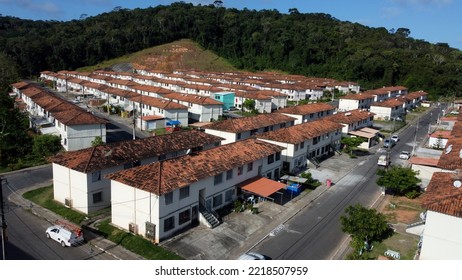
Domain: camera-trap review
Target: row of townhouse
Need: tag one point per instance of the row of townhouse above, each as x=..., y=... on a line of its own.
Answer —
x=386, y=103
x=125, y=93
x=79, y=176
x=160, y=185
x=51, y=114
x=442, y=199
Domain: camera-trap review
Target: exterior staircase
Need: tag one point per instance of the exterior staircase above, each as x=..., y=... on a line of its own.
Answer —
x=209, y=216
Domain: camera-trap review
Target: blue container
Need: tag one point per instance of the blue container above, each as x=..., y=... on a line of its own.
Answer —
x=294, y=189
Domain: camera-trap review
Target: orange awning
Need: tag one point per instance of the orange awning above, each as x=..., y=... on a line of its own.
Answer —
x=261, y=186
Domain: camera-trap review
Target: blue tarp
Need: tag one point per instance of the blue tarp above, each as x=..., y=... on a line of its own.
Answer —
x=172, y=123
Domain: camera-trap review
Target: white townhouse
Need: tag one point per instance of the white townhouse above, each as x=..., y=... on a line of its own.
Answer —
x=152, y=106
x=200, y=108
x=278, y=100
x=294, y=92
x=263, y=103
x=308, y=112
x=441, y=238
x=388, y=109
x=161, y=199
x=78, y=176
x=150, y=90
x=355, y=101
x=306, y=141
x=353, y=120
x=119, y=97
x=76, y=127
x=414, y=99
x=233, y=130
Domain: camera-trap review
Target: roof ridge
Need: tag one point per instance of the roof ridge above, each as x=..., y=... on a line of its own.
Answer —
x=89, y=159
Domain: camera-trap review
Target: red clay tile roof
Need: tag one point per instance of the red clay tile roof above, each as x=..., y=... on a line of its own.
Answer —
x=350, y=117
x=94, y=159
x=158, y=102
x=185, y=170
x=307, y=109
x=389, y=103
x=78, y=116
x=442, y=196
x=192, y=98
x=20, y=85
x=249, y=123
x=357, y=96
x=446, y=134
x=451, y=158
x=301, y=132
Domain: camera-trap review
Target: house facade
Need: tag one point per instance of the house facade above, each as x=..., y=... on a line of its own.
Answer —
x=159, y=200
x=233, y=130
x=308, y=112
x=78, y=177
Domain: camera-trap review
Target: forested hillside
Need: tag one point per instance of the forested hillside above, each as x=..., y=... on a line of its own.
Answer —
x=308, y=44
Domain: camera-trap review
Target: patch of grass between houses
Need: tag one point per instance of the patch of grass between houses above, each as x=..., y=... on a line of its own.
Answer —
x=135, y=243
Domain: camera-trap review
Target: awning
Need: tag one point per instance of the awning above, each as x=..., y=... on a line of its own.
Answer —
x=262, y=186
x=294, y=179
x=365, y=132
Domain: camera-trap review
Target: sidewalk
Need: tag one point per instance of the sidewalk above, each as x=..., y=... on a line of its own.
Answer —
x=99, y=243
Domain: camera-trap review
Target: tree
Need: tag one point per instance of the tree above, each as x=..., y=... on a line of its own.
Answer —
x=351, y=143
x=46, y=145
x=400, y=181
x=365, y=227
x=98, y=141
x=249, y=104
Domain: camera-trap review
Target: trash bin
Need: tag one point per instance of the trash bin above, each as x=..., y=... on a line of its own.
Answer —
x=329, y=183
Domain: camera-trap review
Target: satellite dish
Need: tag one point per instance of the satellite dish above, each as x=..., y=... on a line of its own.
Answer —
x=457, y=184
x=188, y=151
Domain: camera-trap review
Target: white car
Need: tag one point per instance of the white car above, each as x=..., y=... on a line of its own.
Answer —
x=395, y=138
x=405, y=155
x=252, y=256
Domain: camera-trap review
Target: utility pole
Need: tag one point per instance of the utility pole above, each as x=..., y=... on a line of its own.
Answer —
x=2, y=213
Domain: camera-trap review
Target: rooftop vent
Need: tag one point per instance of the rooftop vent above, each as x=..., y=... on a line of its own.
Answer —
x=448, y=149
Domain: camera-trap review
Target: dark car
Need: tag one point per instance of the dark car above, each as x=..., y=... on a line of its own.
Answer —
x=388, y=143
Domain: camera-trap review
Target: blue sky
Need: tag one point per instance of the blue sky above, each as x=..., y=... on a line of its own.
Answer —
x=430, y=20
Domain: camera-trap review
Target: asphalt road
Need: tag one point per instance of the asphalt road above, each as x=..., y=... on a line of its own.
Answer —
x=315, y=233
x=26, y=232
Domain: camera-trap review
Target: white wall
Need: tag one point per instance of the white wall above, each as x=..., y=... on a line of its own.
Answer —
x=80, y=136
x=442, y=238
x=228, y=136
x=348, y=104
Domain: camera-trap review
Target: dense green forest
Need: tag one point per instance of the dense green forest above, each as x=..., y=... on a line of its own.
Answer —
x=308, y=44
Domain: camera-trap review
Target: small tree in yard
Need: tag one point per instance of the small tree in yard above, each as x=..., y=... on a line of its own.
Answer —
x=249, y=105
x=365, y=226
x=351, y=143
x=400, y=181
x=46, y=145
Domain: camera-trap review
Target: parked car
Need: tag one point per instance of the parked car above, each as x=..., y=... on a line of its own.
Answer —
x=65, y=236
x=395, y=137
x=405, y=155
x=388, y=143
x=384, y=160
x=252, y=256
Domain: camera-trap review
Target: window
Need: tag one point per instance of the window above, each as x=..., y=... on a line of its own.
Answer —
x=240, y=170
x=239, y=136
x=268, y=175
x=302, y=145
x=229, y=174
x=250, y=167
x=96, y=176
x=184, y=217
x=276, y=173
x=278, y=156
x=296, y=147
x=168, y=198
x=229, y=195
x=184, y=192
x=218, y=179
x=270, y=159
x=97, y=197
x=217, y=200
x=169, y=224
